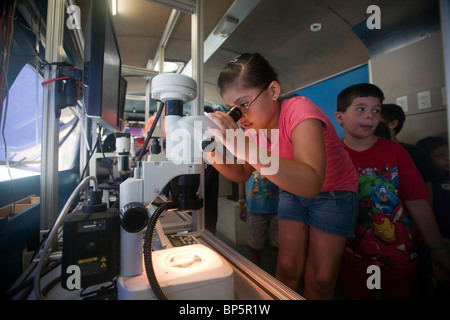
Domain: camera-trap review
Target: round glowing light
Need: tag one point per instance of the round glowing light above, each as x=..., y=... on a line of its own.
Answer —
x=184, y=259
x=315, y=27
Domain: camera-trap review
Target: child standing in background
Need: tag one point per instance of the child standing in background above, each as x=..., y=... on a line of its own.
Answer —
x=391, y=192
x=437, y=148
x=258, y=206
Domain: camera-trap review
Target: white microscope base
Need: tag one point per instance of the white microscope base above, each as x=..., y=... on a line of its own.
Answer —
x=138, y=288
x=210, y=277
x=134, y=288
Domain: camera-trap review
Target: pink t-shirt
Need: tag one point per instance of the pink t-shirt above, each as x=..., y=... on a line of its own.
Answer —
x=340, y=171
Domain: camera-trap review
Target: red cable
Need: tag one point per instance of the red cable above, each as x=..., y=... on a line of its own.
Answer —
x=56, y=79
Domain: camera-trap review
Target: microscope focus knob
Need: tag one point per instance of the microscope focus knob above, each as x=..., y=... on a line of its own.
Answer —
x=134, y=217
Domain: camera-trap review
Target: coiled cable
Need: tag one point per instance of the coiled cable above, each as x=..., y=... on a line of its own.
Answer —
x=148, y=241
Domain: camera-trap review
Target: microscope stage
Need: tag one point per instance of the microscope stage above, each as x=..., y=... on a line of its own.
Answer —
x=189, y=272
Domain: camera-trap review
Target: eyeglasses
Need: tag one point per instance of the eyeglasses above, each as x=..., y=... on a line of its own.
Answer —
x=244, y=107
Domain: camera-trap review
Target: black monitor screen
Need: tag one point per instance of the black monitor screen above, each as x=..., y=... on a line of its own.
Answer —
x=102, y=67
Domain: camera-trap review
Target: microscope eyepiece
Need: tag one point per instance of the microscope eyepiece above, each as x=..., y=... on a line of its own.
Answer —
x=235, y=113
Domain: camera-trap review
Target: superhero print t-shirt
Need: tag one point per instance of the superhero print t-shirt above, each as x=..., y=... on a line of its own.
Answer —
x=387, y=177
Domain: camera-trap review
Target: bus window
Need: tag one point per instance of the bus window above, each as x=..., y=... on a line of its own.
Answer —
x=21, y=129
x=69, y=138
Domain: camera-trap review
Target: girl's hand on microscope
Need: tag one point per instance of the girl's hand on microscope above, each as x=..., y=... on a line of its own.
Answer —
x=223, y=121
x=229, y=134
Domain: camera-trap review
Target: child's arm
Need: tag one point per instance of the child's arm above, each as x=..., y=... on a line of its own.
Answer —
x=304, y=176
x=422, y=213
x=238, y=173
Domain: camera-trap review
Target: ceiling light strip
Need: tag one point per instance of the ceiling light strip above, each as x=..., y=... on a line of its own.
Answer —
x=174, y=15
x=239, y=10
x=188, y=6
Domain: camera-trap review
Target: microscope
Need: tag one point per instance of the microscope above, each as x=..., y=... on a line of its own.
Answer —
x=187, y=272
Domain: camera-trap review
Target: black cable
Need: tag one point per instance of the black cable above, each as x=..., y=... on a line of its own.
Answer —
x=104, y=158
x=68, y=133
x=149, y=136
x=49, y=286
x=87, y=165
x=26, y=286
x=89, y=158
x=148, y=240
x=103, y=291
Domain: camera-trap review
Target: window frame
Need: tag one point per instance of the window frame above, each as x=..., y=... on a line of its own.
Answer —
x=23, y=168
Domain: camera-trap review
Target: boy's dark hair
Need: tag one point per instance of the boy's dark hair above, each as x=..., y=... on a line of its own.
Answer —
x=382, y=130
x=431, y=143
x=346, y=97
x=391, y=112
x=250, y=68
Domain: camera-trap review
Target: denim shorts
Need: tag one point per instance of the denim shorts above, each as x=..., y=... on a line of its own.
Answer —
x=334, y=212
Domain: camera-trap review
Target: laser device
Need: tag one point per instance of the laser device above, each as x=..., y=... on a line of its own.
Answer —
x=91, y=242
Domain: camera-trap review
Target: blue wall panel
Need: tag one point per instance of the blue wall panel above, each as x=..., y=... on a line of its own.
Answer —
x=324, y=93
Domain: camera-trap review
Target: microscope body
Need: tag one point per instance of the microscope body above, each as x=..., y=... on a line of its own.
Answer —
x=187, y=138
x=151, y=177
x=155, y=176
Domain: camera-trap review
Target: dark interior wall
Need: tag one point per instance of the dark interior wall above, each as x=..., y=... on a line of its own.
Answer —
x=408, y=71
